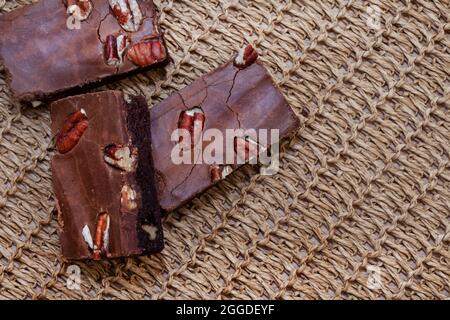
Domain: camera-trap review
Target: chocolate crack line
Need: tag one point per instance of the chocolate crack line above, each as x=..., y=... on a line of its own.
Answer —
x=100, y=25
x=229, y=97
x=177, y=92
x=186, y=108
x=182, y=101
x=184, y=180
x=206, y=86
x=206, y=94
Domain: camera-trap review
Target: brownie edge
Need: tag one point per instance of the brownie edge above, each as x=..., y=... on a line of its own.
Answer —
x=139, y=125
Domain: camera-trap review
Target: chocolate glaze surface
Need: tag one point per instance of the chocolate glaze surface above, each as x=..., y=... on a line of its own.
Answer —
x=43, y=57
x=231, y=98
x=86, y=186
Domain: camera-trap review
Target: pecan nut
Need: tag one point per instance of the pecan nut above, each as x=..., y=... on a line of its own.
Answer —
x=220, y=172
x=151, y=230
x=80, y=9
x=101, y=239
x=246, y=57
x=121, y=157
x=71, y=132
x=127, y=13
x=128, y=199
x=192, y=120
x=147, y=52
x=86, y=233
x=114, y=49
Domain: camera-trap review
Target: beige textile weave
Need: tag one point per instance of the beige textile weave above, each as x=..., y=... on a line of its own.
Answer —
x=360, y=207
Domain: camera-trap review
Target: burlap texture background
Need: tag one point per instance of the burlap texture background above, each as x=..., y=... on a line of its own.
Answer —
x=361, y=206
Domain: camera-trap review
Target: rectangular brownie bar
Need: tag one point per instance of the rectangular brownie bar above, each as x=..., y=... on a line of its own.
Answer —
x=103, y=177
x=54, y=46
x=237, y=95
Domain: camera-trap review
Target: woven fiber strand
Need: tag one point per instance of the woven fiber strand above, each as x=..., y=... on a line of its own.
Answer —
x=360, y=207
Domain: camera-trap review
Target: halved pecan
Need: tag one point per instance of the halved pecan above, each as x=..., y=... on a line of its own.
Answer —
x=147, y=52
x=128, y=199
x=101, y=239
x=71, y=132
x=114, y=49
x=127, y=13
x=192, y=120
x=121, y=157
x=246, y=57
x=86, y=233
x=80, y=9
x=220, y=172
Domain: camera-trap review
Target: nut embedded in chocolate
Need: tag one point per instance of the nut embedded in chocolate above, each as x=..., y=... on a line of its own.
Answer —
x=114, y=49
x=246, y=57
x=36, y=103
x=71, y=132
x=101, y=239
x=86, y=233
x=80, y=9
x=147, y=52
x=128, y=199
x=192, y=120
x=121, y=157
x=152, y=231
x=128, y=14
x=220, y=172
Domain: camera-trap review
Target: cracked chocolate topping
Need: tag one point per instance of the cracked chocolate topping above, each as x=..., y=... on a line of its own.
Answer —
x=89, y=189
x=46, y=52
x=231, y=97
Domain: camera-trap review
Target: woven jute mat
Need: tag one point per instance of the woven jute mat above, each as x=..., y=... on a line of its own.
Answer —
x=360, y=207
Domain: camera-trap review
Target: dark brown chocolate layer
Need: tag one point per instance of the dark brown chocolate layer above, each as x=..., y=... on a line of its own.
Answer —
x=230, y=98
x=138, y=121
x=44, y=58
x=86, y=186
